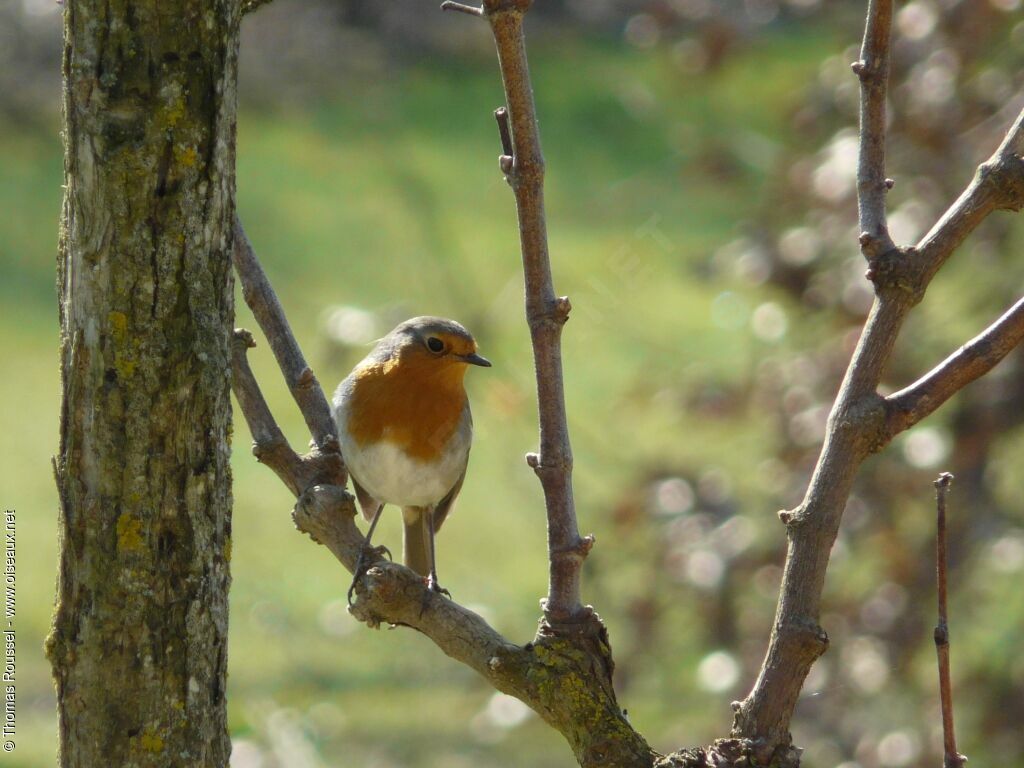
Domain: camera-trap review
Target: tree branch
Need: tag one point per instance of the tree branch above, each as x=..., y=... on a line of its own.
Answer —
x=860, y=422
x=270, y=446
x=872, y=185
x=545, y=314
x=263, y=302
x=854, y=426
x=972, y=361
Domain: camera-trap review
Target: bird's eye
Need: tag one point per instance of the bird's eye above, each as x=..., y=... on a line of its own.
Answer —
x=434, y=344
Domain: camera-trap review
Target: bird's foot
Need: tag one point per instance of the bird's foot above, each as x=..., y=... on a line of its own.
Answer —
x=367, y=557
x=433, y=588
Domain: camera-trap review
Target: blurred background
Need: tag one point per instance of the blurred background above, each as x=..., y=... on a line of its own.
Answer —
x=702, y=217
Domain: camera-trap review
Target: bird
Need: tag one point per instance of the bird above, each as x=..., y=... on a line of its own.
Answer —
x=405, y=430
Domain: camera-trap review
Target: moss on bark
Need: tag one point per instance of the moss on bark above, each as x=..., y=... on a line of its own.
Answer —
x=139, y=636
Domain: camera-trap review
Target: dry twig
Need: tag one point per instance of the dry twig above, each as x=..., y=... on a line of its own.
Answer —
x=260, y=297
x=873, y=70
x=972, y=361
x=952, y=758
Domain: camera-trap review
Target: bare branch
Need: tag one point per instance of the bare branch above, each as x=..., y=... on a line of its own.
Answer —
x=298, y=375
x=972, y=361
x=860, y=422
x=270, y=446
x=545, y=313
x=872, y=185
x=953, y=759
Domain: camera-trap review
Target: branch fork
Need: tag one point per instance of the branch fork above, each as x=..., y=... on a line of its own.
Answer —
x=863, y=421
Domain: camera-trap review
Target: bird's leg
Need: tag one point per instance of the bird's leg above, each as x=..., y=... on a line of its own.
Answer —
x=366, y=552
x=432, y=584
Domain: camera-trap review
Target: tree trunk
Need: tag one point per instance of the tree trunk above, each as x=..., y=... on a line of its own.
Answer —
x=139, y=639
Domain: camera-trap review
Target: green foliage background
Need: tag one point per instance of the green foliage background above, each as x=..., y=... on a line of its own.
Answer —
x=383, y=195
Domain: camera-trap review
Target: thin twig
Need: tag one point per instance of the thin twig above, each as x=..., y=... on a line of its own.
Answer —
x=872, y=185
x=972, y=361
x=269, y=444
x=472, y=10
x=952, y=758
x=545, y=313
x=505, y=134
x=263, y=302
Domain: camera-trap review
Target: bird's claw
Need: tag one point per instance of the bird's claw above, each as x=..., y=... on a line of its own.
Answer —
x=433, y=588
x=367, y=556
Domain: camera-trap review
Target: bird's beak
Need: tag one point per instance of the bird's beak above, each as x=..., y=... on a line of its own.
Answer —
x=475, y=359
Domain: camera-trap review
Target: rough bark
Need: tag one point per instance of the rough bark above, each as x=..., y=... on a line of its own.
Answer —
x=139, y=638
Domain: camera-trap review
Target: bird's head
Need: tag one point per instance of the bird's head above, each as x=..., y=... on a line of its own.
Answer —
x=431, y=344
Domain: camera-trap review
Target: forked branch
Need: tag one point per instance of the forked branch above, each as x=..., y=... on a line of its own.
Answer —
x=998, y=185
x=269, y=446
x=862, y=421
x=302, y=384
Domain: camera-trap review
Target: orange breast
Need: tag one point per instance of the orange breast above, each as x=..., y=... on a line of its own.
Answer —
x=416, y=405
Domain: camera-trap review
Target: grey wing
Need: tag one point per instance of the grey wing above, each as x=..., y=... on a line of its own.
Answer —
x=445, y=505
x=367, y=503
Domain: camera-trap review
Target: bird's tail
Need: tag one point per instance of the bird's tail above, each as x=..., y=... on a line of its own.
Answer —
x=416, y=554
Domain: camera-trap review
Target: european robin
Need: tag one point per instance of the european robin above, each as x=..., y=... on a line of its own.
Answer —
x=405, y=431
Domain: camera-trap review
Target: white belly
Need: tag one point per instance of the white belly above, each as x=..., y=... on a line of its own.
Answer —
x=391, y=476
